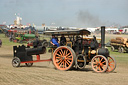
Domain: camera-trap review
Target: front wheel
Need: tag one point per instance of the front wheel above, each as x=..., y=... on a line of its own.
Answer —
x=99, y=63
x=16, y=62
x=111, y=64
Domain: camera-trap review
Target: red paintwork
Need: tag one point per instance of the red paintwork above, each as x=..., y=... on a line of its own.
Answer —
x=120, y=30
x=38, y=57
x=30, y=44
x=2, y=25
x=12, y=30
x=36, y=61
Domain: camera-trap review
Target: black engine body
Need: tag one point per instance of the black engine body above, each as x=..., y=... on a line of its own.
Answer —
x=25, y=54
x=103, y=51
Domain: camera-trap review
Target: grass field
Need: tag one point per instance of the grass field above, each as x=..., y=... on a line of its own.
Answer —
x=44, y=73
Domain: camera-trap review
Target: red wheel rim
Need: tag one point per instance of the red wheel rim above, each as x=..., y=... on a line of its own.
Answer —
x=99, y=64
x=111, y=64
x=63, y=58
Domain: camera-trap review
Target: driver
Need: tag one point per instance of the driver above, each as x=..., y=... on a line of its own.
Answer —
x=54, y=41
x=62, y=40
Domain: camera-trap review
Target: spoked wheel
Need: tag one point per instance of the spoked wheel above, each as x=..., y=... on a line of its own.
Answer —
x=111, y=64
x=121, y=50
x=28, y=64
x=80, y=61
x=16, y=62
x=99, y=63
x=63, y=58
x=112, y=48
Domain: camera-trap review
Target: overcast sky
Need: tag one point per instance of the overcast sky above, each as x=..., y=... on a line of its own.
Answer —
x=79, y=13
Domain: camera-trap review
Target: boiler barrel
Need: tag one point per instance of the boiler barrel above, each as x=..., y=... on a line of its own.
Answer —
x=36, y=51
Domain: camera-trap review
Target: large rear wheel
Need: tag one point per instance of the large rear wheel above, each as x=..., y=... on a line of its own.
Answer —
x=99, y=63
x=64, y=58
x=111, y=64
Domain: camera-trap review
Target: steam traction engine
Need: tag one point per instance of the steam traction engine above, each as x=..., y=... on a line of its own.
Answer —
x=76, y=52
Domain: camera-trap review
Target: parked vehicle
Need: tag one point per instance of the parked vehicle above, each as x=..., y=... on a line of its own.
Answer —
x=24, y=37
x=120, y=44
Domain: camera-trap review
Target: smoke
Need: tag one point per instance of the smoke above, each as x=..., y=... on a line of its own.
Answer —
x=87, y=19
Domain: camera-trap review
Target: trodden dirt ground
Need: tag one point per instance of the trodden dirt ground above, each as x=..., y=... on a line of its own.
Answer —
x=45, y=73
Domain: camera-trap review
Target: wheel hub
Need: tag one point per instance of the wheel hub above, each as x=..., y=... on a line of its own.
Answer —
x=63, y=58
x=98, y=64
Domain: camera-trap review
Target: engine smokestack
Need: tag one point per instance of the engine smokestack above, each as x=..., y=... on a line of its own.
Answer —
x=102, y=36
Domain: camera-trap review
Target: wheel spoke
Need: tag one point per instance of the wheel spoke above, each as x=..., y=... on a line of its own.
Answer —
x=94, y=66
x=103, y=62
x=59, y=62
x=109, y=59
x=63, y=64
x=101, y=59
x=59, y=59
x=62, y=52
x=58, y=55
x=95, y=60
x=111, y=62
x=67, y=62
x=99, y=68
x=68, y=54
x=69, y=58
x=111, y=65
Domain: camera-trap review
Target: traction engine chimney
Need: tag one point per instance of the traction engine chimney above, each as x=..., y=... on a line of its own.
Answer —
x=102, y=36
